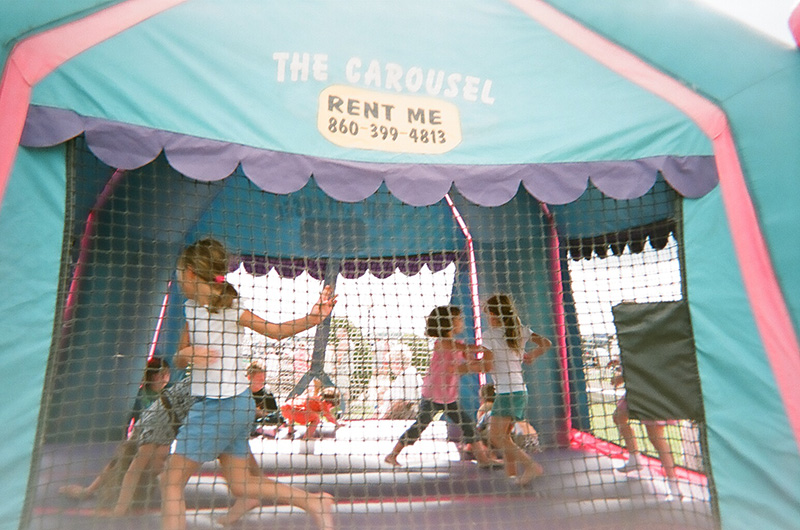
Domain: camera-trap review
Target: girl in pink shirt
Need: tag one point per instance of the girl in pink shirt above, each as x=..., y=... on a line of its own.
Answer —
x=450, y=360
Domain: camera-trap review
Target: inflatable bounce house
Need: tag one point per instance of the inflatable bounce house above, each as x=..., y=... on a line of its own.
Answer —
x=627, y=171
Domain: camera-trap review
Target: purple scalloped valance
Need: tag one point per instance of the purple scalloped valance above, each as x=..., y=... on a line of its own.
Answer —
x=350, y=268
x=126, y=146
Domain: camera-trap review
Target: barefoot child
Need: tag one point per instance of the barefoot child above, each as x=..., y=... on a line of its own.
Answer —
x=450, y=360
x=219, y=423
x=507, y=338
x=154, y=381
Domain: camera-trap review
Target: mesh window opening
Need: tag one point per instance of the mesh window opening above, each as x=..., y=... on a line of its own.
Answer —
x=326, y=405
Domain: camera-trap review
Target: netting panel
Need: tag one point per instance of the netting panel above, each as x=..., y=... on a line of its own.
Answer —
x=122, y=302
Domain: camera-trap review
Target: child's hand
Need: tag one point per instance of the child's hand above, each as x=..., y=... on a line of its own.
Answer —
x=542, y=342
x=473, y=350
x=542, y=345
x=476, y=366
x=198, y=356
x=324, y=305
x=203, y=357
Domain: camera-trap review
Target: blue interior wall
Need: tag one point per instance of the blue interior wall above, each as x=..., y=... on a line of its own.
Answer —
x=99, y=355
x=511, y=249
x=310, y=224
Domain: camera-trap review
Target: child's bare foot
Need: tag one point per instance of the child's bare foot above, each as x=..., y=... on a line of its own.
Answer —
x=74, y=491
x=533, y=471
x=489, y=463
x=321, y=510
x=392, y=459
x=105, y=512
x=237, y=511
x=311, y=434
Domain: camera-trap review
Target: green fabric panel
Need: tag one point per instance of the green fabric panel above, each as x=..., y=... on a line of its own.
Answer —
x=31, y=227
x=753, y=453
x=770, y=159
x=658, y=360
x=203, y=74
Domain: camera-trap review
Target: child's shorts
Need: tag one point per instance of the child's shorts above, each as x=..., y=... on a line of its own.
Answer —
x=510, y=405
x=217, y=426
x=622, y=406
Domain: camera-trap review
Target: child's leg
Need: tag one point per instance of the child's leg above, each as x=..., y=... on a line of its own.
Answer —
x=173, y=505
x=412, y=434
x=78, y=492
x=288, y=419
x=500, y=436
x=655, y=433
x=75, y=491
x=622, y=421
x=159, y=459
x=243, y=483
x=311, y=428
x=144, y=456
x=458, y=416
x=242, y=504
x=499, y=431
x=482, y=454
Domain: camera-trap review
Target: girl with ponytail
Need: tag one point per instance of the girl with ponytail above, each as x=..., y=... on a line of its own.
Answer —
x=507, y=338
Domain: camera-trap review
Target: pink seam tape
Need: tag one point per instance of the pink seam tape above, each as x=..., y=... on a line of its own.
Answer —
x=769, y=308
x=559, y=319
x=35, y=57
x=794, y=24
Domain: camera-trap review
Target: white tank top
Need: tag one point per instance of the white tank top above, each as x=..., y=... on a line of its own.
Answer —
x=507, y=364
x=218, y=331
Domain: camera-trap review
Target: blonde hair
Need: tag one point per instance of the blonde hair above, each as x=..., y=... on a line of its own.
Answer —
x=502, y=307
x=331, y=395
x=208, y=260
x=255, y=367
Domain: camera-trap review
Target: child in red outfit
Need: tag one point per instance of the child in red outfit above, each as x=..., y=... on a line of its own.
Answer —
x=309, y=409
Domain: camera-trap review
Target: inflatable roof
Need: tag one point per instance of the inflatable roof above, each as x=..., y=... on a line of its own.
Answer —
x=486, y=97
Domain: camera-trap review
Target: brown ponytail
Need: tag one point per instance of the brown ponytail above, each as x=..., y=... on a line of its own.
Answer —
x=208, y=259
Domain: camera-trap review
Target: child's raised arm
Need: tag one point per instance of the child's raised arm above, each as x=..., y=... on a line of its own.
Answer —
x=319, y=312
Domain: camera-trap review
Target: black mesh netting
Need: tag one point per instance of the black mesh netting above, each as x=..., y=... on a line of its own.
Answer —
x=329, y=403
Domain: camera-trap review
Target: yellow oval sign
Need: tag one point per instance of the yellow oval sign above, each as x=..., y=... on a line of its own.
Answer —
x=365, y=119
